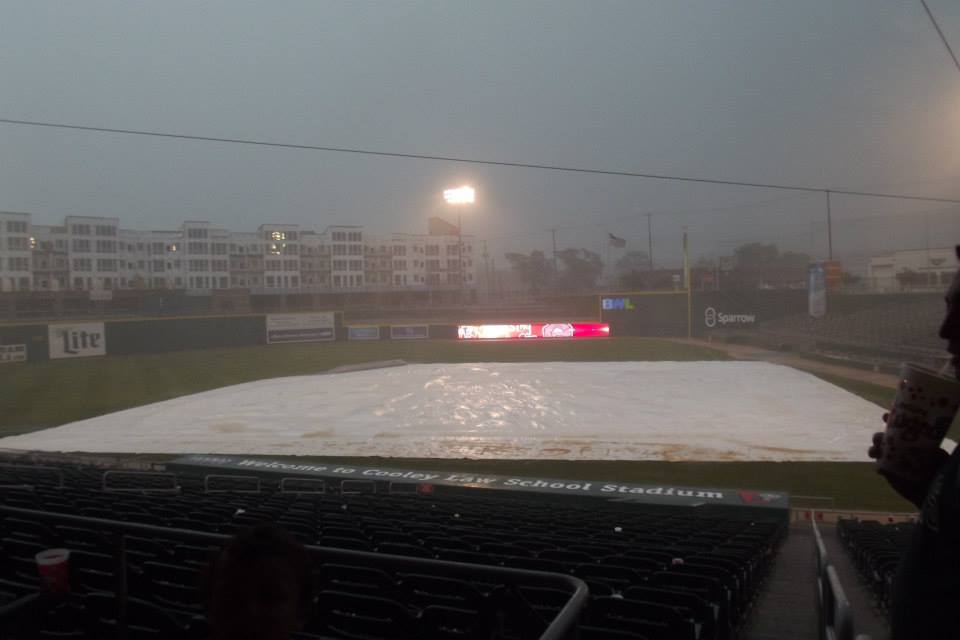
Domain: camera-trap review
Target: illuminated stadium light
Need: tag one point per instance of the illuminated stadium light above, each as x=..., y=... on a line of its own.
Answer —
x=460, y=195
x=536, y=330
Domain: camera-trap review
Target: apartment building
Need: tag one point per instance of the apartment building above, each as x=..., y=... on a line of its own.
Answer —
x=88, y=253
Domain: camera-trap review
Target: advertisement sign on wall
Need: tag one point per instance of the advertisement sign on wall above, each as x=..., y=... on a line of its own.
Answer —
x=817, y=290
x=299, y=327
x=409, y=331
x=656, y=494
x=534, y=330
x=363, y=333
x=13, y=353
x=76, y=340
x=713, y=318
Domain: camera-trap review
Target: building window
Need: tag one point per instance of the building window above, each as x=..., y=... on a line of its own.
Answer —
x=356, y=265
x=106, y=246
x=156, y=266
x=355, y=249
x=80, y=246
x=290, y=265
x=219, y=265
x=105, y=230
x=105, y=264
x=218, y=248
x=80, y=229
x=81, y=264
x=19, y=264
x=16, y=226
x=197, y=233
x=354, y=236
x=278, y=235
x=274, y=265
x=433, y=250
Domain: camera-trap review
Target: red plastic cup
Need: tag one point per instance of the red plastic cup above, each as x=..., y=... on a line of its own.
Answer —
x=54, y=568
x=920, y=417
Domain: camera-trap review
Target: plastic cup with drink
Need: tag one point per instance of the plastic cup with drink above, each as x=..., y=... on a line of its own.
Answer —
x=54, y=568
x=923, y=410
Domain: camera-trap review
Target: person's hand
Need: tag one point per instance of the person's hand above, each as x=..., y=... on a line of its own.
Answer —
x=913, y=490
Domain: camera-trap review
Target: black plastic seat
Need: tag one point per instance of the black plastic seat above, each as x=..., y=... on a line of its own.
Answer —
x=355, y=616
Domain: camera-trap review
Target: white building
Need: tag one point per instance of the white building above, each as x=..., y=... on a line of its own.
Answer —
x=16, y=271
x=912, y=270
x=93, y=253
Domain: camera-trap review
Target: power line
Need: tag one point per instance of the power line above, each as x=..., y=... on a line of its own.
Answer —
x=943, y=38
x=496, y=163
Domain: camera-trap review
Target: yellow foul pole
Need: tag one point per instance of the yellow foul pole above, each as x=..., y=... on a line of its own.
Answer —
x=686, y=280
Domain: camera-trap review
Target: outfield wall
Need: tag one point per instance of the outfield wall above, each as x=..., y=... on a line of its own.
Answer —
x=85, y=338
x=667, y=314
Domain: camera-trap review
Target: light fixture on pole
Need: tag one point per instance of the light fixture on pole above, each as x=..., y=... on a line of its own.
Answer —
x=460, y=196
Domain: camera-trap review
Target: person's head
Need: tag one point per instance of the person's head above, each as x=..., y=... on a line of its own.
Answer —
x=259, y=588
x=950, y=329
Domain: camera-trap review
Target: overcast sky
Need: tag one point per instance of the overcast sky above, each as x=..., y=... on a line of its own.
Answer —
x=843, y=94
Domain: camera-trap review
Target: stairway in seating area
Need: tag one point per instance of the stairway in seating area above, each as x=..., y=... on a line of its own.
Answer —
x=786, y=608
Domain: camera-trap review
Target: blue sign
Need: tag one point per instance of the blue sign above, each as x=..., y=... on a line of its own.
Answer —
x=409, y=331
x=363, y=333
x=616, y=304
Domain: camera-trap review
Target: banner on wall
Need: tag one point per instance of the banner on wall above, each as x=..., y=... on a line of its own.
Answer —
x=409, y=331
x=648, y=493
x=535, y=330
x=817, y=290
x=363, y=333
x=13, y=353
x=78, y=340
x=300, y=327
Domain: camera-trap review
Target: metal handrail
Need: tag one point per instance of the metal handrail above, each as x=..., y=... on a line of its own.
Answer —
x=207, y=489
x=360, y=483
x=839, y=619
x=152, y=474
x=321, y=491
x=562, y=627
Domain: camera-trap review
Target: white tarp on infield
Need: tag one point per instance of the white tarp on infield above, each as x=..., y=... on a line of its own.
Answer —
x=564, y=410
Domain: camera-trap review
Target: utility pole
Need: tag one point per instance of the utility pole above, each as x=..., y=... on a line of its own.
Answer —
x=553, y=232
x=486, y=268
x=829, y=229
x=650, y=239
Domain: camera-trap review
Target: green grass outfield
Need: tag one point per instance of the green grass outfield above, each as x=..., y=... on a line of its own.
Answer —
x=43, y=394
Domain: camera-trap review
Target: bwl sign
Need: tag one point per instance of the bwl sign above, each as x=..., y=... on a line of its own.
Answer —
x=77, y=340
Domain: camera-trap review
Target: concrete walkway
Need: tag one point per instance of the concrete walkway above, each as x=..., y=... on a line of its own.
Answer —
x=786, y=608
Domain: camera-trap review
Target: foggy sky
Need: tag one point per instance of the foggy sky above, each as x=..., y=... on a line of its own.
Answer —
x=843, y=94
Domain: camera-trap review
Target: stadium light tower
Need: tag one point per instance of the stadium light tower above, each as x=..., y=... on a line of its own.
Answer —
x=459, y=197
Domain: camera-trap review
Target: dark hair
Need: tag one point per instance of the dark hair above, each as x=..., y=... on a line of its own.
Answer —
x=259, y=550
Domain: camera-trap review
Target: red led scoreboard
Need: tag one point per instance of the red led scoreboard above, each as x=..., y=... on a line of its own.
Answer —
x=536, y=330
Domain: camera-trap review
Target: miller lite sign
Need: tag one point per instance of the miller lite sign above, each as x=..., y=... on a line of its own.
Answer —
x=76, y=340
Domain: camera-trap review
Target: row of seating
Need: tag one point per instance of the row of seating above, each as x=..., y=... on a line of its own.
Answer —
x=652, y=572
x=876, y=549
